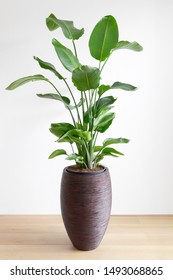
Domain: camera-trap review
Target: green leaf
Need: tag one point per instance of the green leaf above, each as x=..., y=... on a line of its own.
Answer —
x=111, y=151
x=59, y=129
x=103, y=88
x=116, y=85
x=71, y=107
x=119, y=85
x=76, y=140
x=72, y=157
x=104, y=38
x=99, y=158
x=67, y=58
x=133, y=46
x=108, y=152
x=110, y=141
x=54, y=96
x=57, y=153
x=102, y=104
x=86, y=135
x=103, y=122
x=52, y=23
x=70, y=32
x=61, y=98
x=25, y=80
x=98, y=148
x=62, y=126
x=86, y=78
x=48, y=66
x=104, y=127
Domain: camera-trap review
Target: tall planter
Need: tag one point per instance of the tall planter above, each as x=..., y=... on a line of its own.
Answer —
x=86, y=204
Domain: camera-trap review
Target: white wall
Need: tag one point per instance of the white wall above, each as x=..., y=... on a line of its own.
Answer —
x=142, y=181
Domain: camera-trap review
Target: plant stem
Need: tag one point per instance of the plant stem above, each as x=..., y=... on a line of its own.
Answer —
x=75, y=51
x=72, y=148
x=62, y=99
x=74, y=101
x=87, y=154
x=104, y=64
x=99, y=64
x=86, y=100
x=83, y=109
x=94, y=105
x=95, y=139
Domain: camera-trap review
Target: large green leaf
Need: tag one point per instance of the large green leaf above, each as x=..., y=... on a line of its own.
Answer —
x=102, y=155
x=67, y=58
x=86, y=78
x=59, y=129
x=117, y=85
x=61, y=98
x=54, y=96
x=76, y=157
x=111, y=151
x=110, y=141
x=107, y=152
x=103, y=88
x=70, y=32
x=57, y=153
x=86, y=135
x=49, y=66
x=104, y=38
x=103, y=122
x=72, y=156
x=102, y=104
x=25, y=80
x=75, y=139
x=99, y=158
x=101, y=108
x=98, y=148
x=133, y=46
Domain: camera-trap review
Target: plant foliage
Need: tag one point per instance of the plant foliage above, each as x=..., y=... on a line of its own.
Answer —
x=90, y=108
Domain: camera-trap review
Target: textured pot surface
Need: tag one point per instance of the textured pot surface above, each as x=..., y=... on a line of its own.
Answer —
x=86, y=204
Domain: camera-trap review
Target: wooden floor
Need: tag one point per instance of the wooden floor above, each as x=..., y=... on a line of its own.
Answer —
x=127, y=237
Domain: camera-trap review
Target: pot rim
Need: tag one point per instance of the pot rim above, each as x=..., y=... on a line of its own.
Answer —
x=104, y=169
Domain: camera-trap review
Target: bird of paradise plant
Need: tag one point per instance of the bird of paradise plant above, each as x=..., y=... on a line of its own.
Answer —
x=90, y=109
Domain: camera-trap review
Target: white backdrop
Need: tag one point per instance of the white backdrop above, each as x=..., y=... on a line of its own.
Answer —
x=142, y=181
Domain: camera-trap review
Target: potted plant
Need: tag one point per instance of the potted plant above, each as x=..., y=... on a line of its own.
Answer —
x=86, y=186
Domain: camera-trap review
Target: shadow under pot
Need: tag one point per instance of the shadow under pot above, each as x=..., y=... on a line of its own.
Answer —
x=86, y=199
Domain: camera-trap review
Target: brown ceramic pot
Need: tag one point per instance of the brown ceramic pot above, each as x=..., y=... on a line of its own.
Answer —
x=86, y=204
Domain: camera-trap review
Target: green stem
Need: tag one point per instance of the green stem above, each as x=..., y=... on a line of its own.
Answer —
x=85, y=165
x=94, y=143
x=62, y=99
x=94, y=94
x=91, y=150
x=86, y=100
x=99, y=65
x=72, y=148
x=73, y=101
x=104, y=65
x=95, y=138
x=89, y=97
x=83, y=109
x=88, y=155
x=75, y=51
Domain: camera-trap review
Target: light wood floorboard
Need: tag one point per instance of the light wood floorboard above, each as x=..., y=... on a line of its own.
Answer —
x=127, y=237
